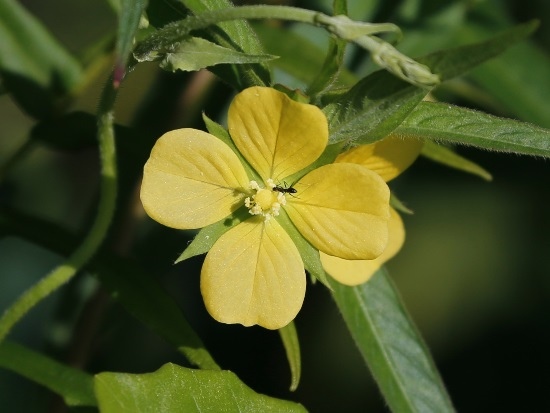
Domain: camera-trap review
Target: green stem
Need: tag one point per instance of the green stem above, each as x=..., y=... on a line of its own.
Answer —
x=164, y=40
x=338, y=25
x=97, y=233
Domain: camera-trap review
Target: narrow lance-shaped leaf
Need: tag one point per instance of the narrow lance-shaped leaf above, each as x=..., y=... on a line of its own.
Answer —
x=333, y=60
x=448, y=157
x=130, y=16
x=180, y=390
x=447, y=123
x=237, y=35
x=289, y=337
x=34, y=67
x=75, y=386
x=376, y=105
x=391, y=346
x=195, y=53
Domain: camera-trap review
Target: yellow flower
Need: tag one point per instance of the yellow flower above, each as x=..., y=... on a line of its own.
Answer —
x=254, y=273
x=388, y=158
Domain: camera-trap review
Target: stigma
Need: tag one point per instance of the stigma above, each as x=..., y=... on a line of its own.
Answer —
x=265, y=201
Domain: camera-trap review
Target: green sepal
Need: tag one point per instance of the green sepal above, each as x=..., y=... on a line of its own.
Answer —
x=207, y=236
x=446, y=156
x=222, y=134
x=289, y=337
x=310, y=256
x=452, y=124
x=195, y=53
x=176, y=389
x=328, y=156
x=398, y=205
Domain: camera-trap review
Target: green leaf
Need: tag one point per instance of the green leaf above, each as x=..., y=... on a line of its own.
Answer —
x=237, y=35
x=195, y=53
x=289, y=337
x=35, y=68
x=519, y=81
x=334, y=59
x=75, y=386
x=376, y=105
x=455, y=62
x=447, y=123
x=128, y=23
x=176, y=389
x=371, y=109
x=448, y=157
x=298, y=56
x=391, y=346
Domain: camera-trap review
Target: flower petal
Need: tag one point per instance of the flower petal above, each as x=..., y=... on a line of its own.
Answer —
x=191, y=180
x=342, y=210
x=388, y=157
x=275, y=134
x=254, y=275
x=355, y=272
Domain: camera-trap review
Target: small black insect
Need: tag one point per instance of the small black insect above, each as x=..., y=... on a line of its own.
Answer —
x=284, y=189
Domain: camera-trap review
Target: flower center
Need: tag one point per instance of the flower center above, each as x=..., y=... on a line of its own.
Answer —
x=265, y=201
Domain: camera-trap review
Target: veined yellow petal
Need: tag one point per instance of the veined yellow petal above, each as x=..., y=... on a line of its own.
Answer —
x=342, y=210
x=388, y=157
x=191, y=180
x=254, y=275
x=355, y=272
x=277, y=135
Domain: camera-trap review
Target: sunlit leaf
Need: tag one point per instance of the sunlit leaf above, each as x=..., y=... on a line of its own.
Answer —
x=176, y=389
x=195, y=53
x=447, y=123
x=380, y=102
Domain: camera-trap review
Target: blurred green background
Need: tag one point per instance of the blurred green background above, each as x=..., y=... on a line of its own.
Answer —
x=474, y=272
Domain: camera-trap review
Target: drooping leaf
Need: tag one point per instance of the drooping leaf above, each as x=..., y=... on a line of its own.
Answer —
x=195, y=53
x=176, y=389
x=380, y=102
x=237, y=35
x=35, y=68
x=75, y=386
x=448, y=157
x=289, y=337
x=391, y=346
x=447, y=123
